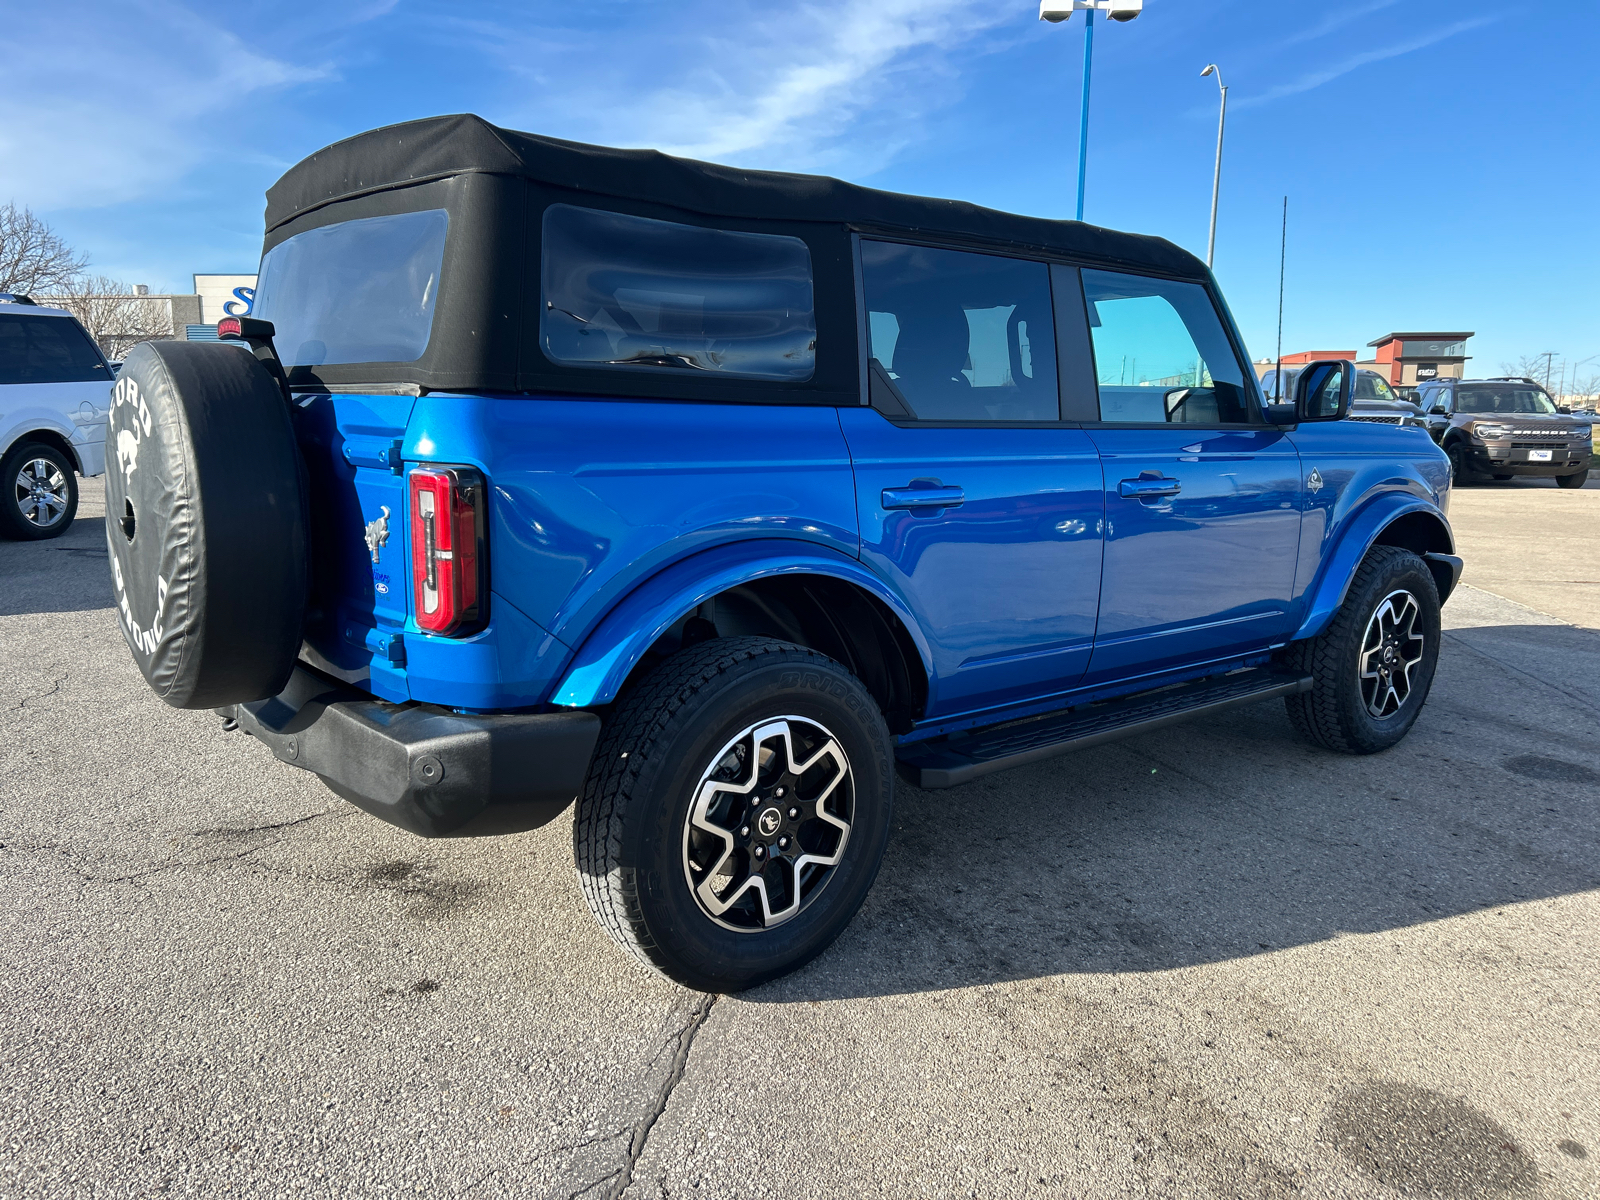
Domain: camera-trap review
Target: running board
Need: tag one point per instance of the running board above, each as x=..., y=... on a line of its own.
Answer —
x=959, y=758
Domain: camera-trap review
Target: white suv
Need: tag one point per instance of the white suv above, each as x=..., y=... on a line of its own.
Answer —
x=55, y=386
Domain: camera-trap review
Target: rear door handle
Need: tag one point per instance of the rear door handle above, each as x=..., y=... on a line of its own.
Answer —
x=1146, y=488
x=924, y=496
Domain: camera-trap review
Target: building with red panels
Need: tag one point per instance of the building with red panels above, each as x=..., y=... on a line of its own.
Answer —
x=1407, y=359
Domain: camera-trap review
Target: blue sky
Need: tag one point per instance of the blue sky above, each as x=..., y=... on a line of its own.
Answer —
x=1439, y=157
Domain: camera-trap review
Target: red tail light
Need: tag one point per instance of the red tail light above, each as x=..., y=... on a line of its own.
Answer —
x=447, y=506
x=229, y=327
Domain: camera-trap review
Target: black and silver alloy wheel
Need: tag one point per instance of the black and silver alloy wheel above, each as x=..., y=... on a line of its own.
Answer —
x=736, y=811
x=1391, y=650
x=1373, y=665
x=41, y=492
x=769, y=822
x=40, y=495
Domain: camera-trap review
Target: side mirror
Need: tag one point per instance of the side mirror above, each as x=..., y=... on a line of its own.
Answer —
x=1439, y=410
x=1323, y=389
x=1564, y=408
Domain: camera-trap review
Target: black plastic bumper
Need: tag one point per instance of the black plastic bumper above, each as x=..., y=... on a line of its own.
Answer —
x=426, y=769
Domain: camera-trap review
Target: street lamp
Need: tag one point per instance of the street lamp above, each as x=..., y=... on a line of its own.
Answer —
x=1056, y=11
x=1216, y=177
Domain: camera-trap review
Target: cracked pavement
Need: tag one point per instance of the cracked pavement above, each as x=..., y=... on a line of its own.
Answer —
x=1211, y=962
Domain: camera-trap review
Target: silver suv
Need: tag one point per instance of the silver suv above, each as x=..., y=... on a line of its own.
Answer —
x=54, y=391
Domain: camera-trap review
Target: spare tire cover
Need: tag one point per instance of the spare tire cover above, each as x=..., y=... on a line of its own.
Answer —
x=205, y=520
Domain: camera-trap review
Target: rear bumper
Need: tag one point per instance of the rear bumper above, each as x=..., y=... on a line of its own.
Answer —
x=426, y=769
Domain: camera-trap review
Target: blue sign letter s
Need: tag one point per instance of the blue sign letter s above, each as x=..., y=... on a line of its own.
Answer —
x=246, y=299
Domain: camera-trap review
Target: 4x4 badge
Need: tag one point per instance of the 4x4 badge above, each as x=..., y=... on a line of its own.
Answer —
x=1313, y=483
x=378, y=533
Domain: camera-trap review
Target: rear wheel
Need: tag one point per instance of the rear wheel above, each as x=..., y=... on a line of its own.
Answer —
x=735, y=813
x=1573, y=481
x=41, y=492
x=1373, y=666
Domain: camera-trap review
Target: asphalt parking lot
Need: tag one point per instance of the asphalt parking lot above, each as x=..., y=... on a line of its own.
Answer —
x=1211, y=962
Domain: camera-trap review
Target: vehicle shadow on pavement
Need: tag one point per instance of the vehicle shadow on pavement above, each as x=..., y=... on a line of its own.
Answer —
x=70, y=573
x=1230, y=837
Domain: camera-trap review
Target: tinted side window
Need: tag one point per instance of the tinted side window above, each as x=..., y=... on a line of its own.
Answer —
x=641, y=294
x=356, y=292
x=47, y=350
x=1161, y=353
x=963, y=336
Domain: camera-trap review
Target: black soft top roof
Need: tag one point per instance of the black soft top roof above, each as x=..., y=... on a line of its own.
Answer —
x=440, y=147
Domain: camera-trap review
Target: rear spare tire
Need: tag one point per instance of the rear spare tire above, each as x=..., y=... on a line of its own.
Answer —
x=205, y=521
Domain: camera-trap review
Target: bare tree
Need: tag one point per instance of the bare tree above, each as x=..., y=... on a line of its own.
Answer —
x=113, y=314
x=1529, y=366
x=32, y=257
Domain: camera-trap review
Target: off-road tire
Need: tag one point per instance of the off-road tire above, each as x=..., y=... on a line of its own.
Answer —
x=1573, y=481
x=1461, y=472
x=13, y=523
x=628, y=830
x=1333, y=714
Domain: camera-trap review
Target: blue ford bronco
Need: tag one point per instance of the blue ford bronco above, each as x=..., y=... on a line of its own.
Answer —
x=718, y=499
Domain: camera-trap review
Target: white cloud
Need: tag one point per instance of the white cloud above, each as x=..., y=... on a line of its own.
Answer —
x=113, y=106
x=1315, y=79
x=779, y=87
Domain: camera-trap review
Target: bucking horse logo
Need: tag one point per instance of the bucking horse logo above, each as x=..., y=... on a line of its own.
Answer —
x=378, y=533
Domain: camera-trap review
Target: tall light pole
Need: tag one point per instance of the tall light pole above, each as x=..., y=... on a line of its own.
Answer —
x=1056, y=11
x=1216, y=176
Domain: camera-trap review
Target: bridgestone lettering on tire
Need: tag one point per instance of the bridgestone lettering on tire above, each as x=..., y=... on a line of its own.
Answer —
x=1373, y=666
x=736, y=812
x=205, y=523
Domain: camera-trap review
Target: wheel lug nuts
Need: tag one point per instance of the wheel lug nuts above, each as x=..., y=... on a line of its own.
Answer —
x=754, y=800
x=793, y=813
x=777, y=793
x=760, y=852
x=744, y=831
x=783, y=843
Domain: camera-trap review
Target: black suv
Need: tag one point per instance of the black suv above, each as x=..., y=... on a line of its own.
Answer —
x=1506, y=427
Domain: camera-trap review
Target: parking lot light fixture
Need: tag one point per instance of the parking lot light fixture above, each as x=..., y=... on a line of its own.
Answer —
x=1216, y=175
x=1056, y=11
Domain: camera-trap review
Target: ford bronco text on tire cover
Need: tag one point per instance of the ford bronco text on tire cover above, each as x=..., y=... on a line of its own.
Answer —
x=717, y=499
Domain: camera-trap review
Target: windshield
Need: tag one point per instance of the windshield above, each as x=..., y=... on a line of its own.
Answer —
x=1373, y=387
x=357, y=292
x=1503, y=398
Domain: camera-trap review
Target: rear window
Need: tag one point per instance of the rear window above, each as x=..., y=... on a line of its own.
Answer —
x=645, y=295
x=357, y=292
x=36, y=349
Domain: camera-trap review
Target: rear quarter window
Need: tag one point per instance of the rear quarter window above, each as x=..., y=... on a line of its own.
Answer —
x=36, y=349
x=637, y=294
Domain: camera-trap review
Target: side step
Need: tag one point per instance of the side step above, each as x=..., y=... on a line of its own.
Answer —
x=948, y=761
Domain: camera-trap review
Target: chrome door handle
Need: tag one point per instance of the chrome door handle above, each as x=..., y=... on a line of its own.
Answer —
x=1148, y=488
x=926, y=496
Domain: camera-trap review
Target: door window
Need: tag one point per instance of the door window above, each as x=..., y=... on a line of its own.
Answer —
x=1161, y=353
x=961, y=336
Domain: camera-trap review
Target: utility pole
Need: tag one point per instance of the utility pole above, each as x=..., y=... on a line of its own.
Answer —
x=1547, y=356
x=1216, y=175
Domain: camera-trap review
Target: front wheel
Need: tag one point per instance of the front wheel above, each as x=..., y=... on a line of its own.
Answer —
x=1372, y=667
x=41, y=493
x=736, y=812
x=1573, y=481
x=1460, y=464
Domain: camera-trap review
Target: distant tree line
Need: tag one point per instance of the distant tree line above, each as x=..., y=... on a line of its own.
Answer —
x=36, y=262
x=1558, y=377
